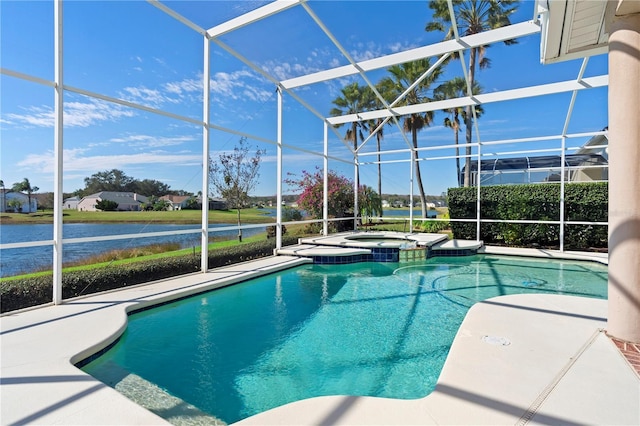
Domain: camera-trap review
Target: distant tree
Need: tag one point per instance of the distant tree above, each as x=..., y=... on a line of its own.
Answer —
x=149, y=187
x=46, y=200
x=15, y=205
x=156, y=204
x=25, y=186
x=180, y=192
x=234, y=175
x=192, y=204
x=4, y=196
x=369, y=202
x=107, y=205
x=148, y=205
x=161, y=206
x=290, y=214
x=109, y=180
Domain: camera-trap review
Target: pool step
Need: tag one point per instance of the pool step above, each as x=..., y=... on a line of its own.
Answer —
x=156, y=400
x=455, y=248
x=413, y=254
x=312, y=250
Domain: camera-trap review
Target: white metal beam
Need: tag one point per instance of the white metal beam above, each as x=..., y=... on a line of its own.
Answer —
x=177, y=16
x=485, y=98
x=251, y=17
x=505, y=33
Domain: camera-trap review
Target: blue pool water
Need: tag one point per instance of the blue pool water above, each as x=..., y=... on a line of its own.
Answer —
x=378, y=329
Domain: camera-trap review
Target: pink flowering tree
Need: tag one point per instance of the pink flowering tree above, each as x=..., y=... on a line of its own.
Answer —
x=311, y=189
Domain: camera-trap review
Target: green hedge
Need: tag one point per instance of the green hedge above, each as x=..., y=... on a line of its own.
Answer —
x=23, y=293
x=583, y=202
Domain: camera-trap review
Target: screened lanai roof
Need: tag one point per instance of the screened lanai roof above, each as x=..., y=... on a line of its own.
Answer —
x=235, y=32
x=348, y=65
x=539, y=162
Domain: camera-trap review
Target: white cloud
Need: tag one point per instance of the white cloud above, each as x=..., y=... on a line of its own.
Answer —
x=257, y=94
x=231, y=85
x=187, y=85
x=147, y=141
x=142, y=95
x=39, y=116
x=160, y=61
x=76, y=161
x=76, y=114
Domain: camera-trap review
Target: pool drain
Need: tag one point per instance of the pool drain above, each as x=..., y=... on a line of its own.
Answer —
x=496, y=340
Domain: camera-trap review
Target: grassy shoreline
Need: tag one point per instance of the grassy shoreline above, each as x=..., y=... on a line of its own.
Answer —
x=98, y=261
x=169, y=217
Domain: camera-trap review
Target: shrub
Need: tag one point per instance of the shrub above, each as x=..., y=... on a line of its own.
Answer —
x=432, y=226
x=583, y=202
x=271, y=231
x=18, y=293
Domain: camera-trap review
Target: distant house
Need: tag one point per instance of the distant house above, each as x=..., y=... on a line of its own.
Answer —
x=176, y=202
x=8, y=203
x=214, y=203
x=71, y=203
x=127, y=201
x=218, y=204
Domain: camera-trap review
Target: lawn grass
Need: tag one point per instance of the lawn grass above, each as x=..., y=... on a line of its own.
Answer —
x=177, y=216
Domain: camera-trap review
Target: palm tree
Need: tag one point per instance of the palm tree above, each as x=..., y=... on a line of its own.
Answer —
x=456, y=88
x=403, y=76
x=25, y=186
x=4, y=196
x=352, y=101
x=373, y=103
x=472, y=17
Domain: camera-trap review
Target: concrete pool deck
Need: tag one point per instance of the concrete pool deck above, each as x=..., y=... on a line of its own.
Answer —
x=558, y=367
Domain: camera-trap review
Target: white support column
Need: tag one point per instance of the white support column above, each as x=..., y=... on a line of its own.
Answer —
x=478, y=184
x=206, y=104
x=58, y=154
x=411, y=177
x=356, y=184
x=562, y=183
x=563, y=157
x=624, y=178
x=325, y=180
x=279, y=172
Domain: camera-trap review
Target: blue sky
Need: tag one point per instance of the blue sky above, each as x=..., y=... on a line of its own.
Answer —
x=132, y=51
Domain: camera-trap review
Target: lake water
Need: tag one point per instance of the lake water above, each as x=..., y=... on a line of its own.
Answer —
x=16, y=261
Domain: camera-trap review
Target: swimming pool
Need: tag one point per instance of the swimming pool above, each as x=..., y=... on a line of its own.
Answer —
x=378, y=329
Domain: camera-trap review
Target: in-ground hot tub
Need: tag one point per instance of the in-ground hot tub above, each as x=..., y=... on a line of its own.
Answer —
x=380, y=240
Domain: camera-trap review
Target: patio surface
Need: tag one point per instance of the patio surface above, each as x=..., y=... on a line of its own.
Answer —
x=557, y=367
